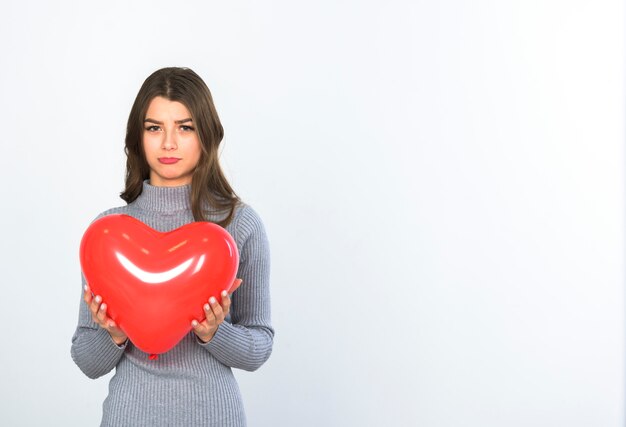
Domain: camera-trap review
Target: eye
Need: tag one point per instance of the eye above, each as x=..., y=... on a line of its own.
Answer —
x=153, y=128
x=187, y=128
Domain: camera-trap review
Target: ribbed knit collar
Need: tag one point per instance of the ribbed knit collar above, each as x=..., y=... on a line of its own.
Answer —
x=164, y=199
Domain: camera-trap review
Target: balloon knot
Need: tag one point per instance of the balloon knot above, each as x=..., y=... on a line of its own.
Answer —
x=154, y=356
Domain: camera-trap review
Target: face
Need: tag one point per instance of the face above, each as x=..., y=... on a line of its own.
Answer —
x=170, y=142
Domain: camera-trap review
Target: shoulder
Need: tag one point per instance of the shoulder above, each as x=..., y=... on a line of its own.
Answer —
x=247, y=224
x=111, y=211
x=247, y=218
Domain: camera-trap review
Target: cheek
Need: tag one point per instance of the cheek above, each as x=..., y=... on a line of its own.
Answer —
x=148, y=154
x=149, y=139
x=194, y=147
x=150, y=143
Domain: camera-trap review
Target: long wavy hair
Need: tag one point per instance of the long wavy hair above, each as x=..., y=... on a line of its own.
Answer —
x=208, y=184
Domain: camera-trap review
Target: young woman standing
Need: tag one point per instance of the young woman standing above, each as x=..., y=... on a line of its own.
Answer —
x=173, y=177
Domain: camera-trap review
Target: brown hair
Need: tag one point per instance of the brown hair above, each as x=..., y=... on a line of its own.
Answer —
x=208, y=183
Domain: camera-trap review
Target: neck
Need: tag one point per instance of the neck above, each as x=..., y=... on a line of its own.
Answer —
x=164, y=199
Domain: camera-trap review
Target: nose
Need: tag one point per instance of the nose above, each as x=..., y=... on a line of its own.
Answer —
x=169, y=141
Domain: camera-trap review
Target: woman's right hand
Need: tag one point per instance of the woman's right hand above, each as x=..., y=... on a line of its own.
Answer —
x=99, y=314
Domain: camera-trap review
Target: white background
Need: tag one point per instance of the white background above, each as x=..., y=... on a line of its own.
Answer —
x=442, y=184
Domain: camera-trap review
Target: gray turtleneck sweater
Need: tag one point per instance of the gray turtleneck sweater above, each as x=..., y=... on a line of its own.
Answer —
x=192, y=384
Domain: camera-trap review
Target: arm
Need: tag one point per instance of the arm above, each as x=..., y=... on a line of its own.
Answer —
x=93, y=348
x=246, y=343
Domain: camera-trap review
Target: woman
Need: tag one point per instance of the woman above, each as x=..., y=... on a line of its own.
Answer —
x=173, y=177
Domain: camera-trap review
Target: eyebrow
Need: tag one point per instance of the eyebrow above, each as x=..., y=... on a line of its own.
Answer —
x=160, y=123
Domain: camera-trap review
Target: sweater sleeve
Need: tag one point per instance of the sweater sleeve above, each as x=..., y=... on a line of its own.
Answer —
x=93, y=349
x=246, y=341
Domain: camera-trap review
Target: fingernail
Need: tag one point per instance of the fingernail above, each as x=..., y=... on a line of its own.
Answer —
x=103, y=307
x=194, y=323
x=224, y=294
x=111, y=324
x=207, y=307
x=98, y=298
x=86, y=288
x=212, y=300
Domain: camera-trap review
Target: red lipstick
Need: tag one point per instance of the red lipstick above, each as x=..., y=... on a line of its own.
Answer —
x=168, y=160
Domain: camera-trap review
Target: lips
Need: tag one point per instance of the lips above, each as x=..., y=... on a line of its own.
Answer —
x=168, y=160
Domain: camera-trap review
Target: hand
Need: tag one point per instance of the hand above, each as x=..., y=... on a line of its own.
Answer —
x=99, y=314
x=215, y=314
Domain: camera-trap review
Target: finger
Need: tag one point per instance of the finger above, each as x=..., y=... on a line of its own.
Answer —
x=200, y=328
x=235, y=285
x=208, y=313
x=87, y=295
x=95, y=305
x=112, y=326
x=102, y=314
x=217, y=310
x=197, y=326
x=225, y=303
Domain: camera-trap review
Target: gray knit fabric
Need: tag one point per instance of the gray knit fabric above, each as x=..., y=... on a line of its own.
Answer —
x=192, y=384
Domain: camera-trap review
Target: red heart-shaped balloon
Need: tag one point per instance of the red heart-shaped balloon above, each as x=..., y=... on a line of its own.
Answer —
x=154, y=283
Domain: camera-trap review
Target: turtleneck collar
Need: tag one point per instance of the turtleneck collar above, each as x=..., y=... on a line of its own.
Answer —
x=164, y=199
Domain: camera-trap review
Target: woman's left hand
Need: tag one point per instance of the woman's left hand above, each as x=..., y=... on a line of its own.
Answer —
x=215, y=314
